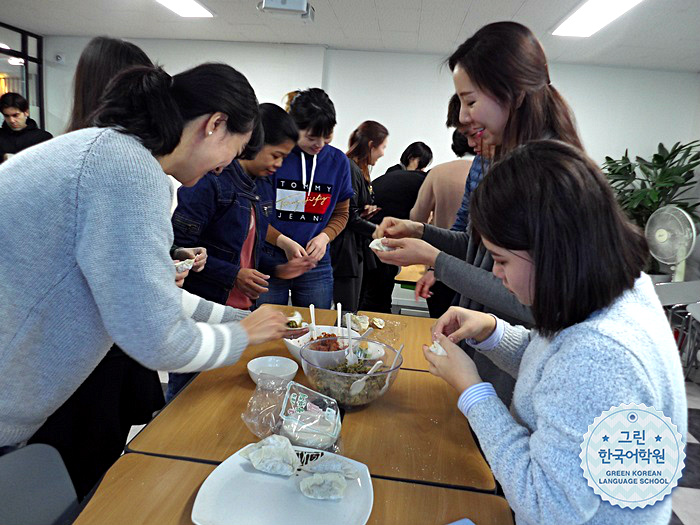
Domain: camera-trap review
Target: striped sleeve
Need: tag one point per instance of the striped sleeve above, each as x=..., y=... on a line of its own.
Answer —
x=472, y=395
x=204, y=311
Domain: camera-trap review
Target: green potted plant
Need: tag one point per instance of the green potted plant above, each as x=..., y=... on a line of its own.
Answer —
x=644, y=186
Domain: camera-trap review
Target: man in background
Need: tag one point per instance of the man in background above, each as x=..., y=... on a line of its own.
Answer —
x=18, y=132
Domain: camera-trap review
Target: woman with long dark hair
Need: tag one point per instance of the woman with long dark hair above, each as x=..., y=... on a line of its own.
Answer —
x=97, y=268
x=562, y=246
x=350, y=250
x=507, y=98
x=311, y=192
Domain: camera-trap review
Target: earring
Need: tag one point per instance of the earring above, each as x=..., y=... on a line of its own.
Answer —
x=210, y=133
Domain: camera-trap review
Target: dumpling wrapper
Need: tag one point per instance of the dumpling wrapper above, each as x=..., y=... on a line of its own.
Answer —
x=377, y=323
x=329, y=485
x=360, y=323
x=185, y=265
x=327, y=464
x=273, y=455
x=437, y=349
x=295, y=320
x=377, y=246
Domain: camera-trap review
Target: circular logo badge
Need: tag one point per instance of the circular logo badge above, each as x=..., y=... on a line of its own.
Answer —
x=632, y=455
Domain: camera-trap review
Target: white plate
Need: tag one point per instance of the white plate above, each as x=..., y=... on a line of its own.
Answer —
x=237, y=494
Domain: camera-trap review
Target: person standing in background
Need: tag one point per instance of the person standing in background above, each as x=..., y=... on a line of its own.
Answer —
x=440, y=193
x=395, y=193
x=416, y=157
x=350, y=251
x=311, y=191
x=18, y=130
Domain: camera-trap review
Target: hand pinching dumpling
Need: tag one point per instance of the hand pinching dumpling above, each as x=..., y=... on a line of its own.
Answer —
x=377, y=246
x=273, y=455
x=330, y=485
x=437, y=349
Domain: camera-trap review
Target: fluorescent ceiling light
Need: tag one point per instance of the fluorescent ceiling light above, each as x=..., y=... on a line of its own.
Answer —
x=593, y=16
x=186, y=8
x=4, y=46
x=13, y=61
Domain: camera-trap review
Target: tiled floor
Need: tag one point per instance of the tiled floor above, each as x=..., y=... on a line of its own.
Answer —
x=686, y=497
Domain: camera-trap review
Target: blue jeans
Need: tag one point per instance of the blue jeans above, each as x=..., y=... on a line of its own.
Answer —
x=313, y=287
x=176, y=382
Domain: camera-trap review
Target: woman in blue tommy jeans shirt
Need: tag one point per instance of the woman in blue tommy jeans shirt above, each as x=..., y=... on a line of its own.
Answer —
x=311, y=192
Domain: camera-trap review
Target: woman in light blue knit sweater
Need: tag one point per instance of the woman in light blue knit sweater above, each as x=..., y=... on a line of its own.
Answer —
x=560, y=244
x=86, y=217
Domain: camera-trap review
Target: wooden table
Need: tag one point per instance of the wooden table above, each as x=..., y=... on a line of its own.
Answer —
x=416, y=432
x=410, y=274
x=141, y=489
x=412, y=332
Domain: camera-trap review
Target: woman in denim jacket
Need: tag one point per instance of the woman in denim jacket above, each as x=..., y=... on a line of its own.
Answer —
x=225, y=214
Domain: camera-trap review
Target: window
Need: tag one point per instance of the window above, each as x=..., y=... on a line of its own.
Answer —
x=21, y=68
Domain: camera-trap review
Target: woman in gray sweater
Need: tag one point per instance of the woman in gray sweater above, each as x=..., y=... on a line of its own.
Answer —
x=90, y=236
x=562, y=246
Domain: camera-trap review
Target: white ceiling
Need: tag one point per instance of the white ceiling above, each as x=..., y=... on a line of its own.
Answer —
x=656, y=34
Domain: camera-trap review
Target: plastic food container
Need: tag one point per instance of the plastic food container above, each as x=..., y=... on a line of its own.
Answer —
x=309, y=418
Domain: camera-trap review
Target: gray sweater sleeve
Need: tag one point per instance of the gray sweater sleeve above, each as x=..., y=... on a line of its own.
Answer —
x=509, y=351
x=481, y=286
x=123, y=237
x=452, y=243
x=540, y=470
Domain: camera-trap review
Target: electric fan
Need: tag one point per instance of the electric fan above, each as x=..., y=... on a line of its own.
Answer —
x=670, y=233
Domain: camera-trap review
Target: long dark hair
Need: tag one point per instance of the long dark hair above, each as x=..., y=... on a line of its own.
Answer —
x=153, y=106
x=506, y=60
x=549, y=199
x=312, y=110
x=99, y=63
x=359, y=148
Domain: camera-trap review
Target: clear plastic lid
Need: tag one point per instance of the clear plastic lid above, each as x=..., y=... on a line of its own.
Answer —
x=309, y=418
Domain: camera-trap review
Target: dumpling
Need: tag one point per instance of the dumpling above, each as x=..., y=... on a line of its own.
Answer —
x=377, y=323
x=377, y=246
x=327, y=464
x=330, y=485
x=273, y=455
x=360, y=323
x=295, y=320
x=437, y=349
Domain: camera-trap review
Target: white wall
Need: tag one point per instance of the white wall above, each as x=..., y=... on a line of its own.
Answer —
x=272, y=69
x=618, y=109
x=615, y=108
x=407, y=93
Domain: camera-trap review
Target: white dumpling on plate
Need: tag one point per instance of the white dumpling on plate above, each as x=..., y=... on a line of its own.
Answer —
x=273, y=455
x=329, y=485
x=331, y=464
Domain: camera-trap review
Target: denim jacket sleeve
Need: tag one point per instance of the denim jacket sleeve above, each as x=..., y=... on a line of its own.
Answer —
x=197, y=207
